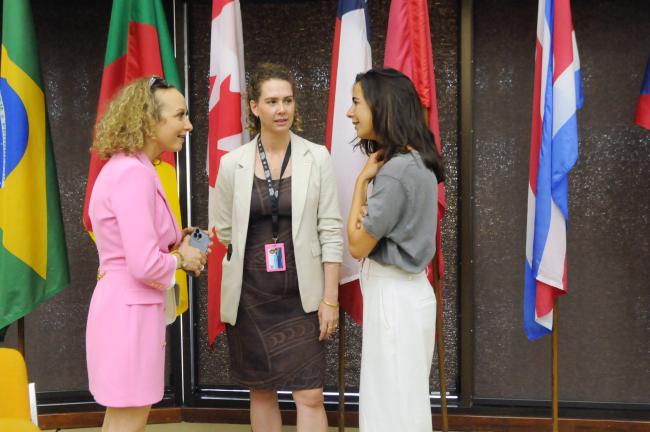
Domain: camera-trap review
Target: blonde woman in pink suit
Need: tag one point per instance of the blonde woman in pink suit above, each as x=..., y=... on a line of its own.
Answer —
x=140, y=247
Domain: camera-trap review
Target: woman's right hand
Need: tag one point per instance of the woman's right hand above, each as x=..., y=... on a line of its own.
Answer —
x=193, y=259
x=373, y=164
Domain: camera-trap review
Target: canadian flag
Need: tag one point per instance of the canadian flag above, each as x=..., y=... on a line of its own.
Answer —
x=226, y=128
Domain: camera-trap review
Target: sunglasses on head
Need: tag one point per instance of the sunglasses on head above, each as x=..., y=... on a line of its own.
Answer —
x=156, y=82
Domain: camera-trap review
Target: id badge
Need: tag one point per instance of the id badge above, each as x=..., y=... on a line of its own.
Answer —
x=274, y=253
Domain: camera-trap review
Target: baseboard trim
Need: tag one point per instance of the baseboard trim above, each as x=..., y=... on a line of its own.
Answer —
x=95, y=418
x=468, y=423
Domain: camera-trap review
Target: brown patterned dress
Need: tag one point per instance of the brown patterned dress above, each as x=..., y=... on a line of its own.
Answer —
x=274, y=343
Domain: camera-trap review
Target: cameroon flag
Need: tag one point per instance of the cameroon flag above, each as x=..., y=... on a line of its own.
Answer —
x=33, y=257
x=139, y=45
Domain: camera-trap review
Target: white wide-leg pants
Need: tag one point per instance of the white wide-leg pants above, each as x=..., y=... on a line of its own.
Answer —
x=399, y=322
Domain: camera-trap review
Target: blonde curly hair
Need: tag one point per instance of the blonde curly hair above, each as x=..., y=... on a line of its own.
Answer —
x=130, y=118
x=264, y=72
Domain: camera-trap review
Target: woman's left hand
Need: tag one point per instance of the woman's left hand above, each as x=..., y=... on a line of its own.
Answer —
x=328, y=318
x=363, y=212
x=190, y=229
x=187, y=231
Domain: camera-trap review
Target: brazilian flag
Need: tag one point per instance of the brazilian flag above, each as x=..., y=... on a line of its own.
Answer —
x=33, y=257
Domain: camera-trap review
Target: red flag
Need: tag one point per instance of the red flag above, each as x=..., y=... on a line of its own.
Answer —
x=408, y=49
x=139, y=45
x=226, y=126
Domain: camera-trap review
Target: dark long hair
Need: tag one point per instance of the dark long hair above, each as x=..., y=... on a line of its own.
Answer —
x=397, y=118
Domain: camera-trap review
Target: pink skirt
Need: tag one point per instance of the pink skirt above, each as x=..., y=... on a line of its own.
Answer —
x=125, y=342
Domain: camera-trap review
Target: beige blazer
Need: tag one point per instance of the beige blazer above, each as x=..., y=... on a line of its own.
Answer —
x=316, y=219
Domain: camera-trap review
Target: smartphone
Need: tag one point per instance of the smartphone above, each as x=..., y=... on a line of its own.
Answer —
x=200, y=240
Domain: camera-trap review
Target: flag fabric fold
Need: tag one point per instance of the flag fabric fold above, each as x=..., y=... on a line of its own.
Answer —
x=351, y=55
x=226, y=128
x=642, y=117
x=408, y=49
x=139, y=45
x=557, y=96
x=33, y=255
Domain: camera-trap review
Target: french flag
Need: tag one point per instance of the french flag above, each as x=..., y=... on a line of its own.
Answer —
x=351, y=55
x=553, y=152
x=226, y=127
x=642, y=117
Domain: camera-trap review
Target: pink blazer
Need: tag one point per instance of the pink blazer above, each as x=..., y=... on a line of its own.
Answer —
x=134, y=230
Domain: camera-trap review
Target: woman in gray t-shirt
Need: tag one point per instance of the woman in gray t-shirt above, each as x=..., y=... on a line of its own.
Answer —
x=394, y=229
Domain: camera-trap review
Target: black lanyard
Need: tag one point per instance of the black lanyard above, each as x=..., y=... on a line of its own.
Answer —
x=274, y=194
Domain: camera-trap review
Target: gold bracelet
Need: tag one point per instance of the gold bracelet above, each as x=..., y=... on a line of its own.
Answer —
x=332, y=305
x=179, y=264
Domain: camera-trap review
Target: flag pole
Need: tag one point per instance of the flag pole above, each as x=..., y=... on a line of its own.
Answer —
x=440, y=345
x=440, y=342
x=21, y=335
x=554, y=372
x=341, y=370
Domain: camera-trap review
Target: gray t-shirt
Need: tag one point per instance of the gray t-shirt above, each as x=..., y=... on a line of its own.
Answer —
x=403, y=212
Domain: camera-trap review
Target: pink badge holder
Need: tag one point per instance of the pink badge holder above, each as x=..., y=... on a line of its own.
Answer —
x=275, y=258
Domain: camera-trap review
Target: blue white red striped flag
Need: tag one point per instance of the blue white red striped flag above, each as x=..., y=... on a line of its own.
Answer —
x=553, y=152
x=226, y=128
x=351, y=55
x=642, y=117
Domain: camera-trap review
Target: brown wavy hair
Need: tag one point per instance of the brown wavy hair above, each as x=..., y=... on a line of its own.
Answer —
x=129, y=119
x=264, y=72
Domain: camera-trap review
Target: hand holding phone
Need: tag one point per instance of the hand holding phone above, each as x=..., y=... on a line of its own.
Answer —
x=200, y=240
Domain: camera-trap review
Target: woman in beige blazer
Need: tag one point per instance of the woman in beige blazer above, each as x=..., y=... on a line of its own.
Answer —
x=279, y=289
